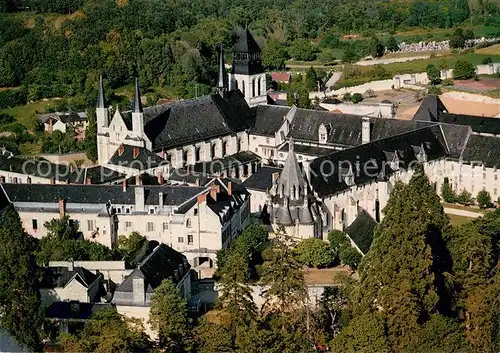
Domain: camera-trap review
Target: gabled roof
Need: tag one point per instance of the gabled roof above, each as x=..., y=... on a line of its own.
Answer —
x=268, y=119
x=361, y=230
x=55, y=277
x=479, y=124
x=485, y=149
x=246, y=43
x=328, y=173
x=261, y=180
x=188, y=121
x=291, y=176
x=164, y=263
x=139, y=158
x=75, y=310
x=430, y=109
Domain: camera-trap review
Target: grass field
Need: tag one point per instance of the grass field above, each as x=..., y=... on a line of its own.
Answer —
x=458, y=220
x=491, y=50
x=438, y=34
x=25, y=114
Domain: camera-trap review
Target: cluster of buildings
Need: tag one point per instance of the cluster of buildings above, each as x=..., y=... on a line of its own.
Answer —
x=189, y=175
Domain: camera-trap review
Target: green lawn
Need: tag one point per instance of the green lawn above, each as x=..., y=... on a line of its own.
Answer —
x=439, y=34
x=458, y=220
x=465, y=208
x=25, y=114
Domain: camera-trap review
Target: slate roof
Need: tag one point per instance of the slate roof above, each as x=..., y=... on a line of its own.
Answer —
x=328, y=173
x=268, y=119
x=55, y=277
x=456, y=136
x=246, y=43
x=163, y=263
x=246, y=55
x=188, y=121
x=361, y=230
x=226, y=205
x=307, y=150
x=261, y=180
x=75, y=310
x=125, y=156
x=65, y=117
x=479, y=124
x=485, y=149
x=430, y=109
x=98, y=194
x=220, y=164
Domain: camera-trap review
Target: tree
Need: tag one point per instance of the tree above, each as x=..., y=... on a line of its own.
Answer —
x=376, y=48
x=447, y=192
x=487, y=61
x=235, y=294
x=350, y=257
x=311, y=79
x=434, y=90
x=464, y=198
x=301, y=49
x=338, y=240
x=347, y=97
x=315, y=252
x=91, y=136
x=283, y=274
x=213, y=337
x=130, y=246
x=168, y=315
x=274, y=55
x=483, y=199
x=19, y=293
x=433, y=74
x=304, y=100
x=108, y=331
x=457, y=40
x=405, y=269
x=392, y=44
x=366, y=333
x=356, y=98
x=463, y=70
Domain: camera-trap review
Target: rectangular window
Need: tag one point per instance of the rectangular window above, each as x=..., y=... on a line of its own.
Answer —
x=180, y=239
x=496, y=177
x=195, y=211
x=128, y=225
x=150, y=227
x=165, y=226
x=484, y=175
x=90, y=225
x=34, y=224
x=190, y=239
x=127, y=210
x=495, y=191
x=151, y=211
x=119, y=210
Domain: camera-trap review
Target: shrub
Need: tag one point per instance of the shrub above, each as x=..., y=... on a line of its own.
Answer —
x=434, y=90
x=463, y=70
x=350, y=257
x=356, y=98
x=6, y=118
x=464, y=198
x=487, y=61
x=447, y=193
x=314, y=252
x=347, y=97
x=483, y=199
x=447, y=82
x=338, y=239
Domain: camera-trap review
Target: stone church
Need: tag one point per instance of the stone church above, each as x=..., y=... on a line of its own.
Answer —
x=311, y=171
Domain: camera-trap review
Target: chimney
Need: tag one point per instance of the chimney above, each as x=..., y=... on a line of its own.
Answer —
x=138, y=180
x=139, y=198
x=124, y=185
x=214, y=190
x=230, y=188
x=71, y=265
x=138, y=292
x=202, y=198
x=136, y=152
x=88, y=181
x=160, y=200
x=365, y=130
x=121, y=149
x=62, y=208
x=160, y=178
x=28, y=180
x=275, y=176
x=52, y=180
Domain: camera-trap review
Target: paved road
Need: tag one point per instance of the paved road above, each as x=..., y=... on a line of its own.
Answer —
x=462, y=213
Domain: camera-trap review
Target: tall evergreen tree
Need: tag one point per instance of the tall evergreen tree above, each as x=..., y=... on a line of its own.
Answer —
x=236, y=295
x=19, y=294
x=168, y=315
x=91, y=136
x=402, y=274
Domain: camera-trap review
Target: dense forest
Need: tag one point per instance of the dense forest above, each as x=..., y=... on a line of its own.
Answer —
x=57, y=48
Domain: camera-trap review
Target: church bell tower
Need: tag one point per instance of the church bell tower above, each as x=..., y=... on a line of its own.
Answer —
x=247, y=73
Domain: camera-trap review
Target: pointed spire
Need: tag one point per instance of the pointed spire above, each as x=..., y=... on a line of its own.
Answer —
x=137, y=98
x=290, y=145
x=100, y=96
x=222, y=71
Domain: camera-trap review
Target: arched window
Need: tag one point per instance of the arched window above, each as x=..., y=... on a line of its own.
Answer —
x=293, y=191
x=258, y=87
x=253, y=88
x=185, y=157
x=188, y=223
x=212, y=150
x=238, y=145
x=377, y=210
x=197, y=153
x=224, y=148
x=243, y=87
x=342, y=215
